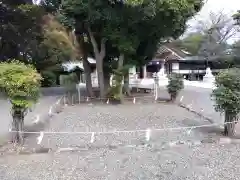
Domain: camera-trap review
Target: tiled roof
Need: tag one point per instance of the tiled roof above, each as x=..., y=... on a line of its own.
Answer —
x=169, y=52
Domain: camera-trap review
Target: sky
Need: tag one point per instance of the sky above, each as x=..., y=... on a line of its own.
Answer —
x=228, y=7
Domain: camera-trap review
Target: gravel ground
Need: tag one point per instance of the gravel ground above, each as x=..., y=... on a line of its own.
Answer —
x=208, y=162
x=176, y=154
x=107, y=118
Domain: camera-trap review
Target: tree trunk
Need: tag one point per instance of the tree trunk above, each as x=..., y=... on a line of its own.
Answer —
x=229, y=126
x=87, y=73
x=173, y=97
x=106, y=81
x=17, y=126
x=126, y=85
x=100, y=77
x=99, y=56
x=120, y=67
x=86, y=66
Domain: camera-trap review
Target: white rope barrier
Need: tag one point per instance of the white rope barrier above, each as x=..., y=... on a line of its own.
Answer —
x=40, y=138
x=37, y=119
x=50, y=111
x=181, y=99
x=148, y=134
x=127, y=98
x=147, y=131
x=92, y=138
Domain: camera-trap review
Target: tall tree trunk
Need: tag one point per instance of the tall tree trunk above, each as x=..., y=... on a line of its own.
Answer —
x=86, y=65
x=99, y=56
x=126, y=85
x=87, y=73
x=17, y=126
x=100, y=73
x=120, y=68
x=106, y=81
x=229, y=126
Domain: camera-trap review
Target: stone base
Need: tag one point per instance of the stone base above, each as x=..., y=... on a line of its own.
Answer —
x=162, y=78
x=208, y=79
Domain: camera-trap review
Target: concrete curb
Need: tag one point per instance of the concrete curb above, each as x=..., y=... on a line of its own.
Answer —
x=195, y=112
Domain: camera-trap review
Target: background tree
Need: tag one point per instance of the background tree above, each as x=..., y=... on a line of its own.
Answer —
x=191, y=43
x=21, y=84
x=76, y=30
x=33, y=36
x=55, y=48
x=236, y=45
x=236, y=49
x=19, y=28
x=210, y=39
x=236, y=17
x=217, y=31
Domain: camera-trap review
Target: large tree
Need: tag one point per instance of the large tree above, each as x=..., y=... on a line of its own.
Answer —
x=33, y=36
x=210, y=38
x=217, y=31
x=145, y=21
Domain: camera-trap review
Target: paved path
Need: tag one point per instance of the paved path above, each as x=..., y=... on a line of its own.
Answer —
x=198, y=98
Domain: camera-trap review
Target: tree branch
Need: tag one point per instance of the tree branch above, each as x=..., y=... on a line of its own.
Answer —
x=93, y=41
x=103, y=48
x=121, y=61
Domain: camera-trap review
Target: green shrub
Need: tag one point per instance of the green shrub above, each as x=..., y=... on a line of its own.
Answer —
x=49, y=79
x=113, y=93
x=227, y=97
x=175, y=85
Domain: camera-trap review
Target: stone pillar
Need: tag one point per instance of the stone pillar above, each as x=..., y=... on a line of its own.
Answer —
x=132, y=71
x=162, y=70
x=209, y=77
x=161, y=74
x=144, y=71
x=175, y=67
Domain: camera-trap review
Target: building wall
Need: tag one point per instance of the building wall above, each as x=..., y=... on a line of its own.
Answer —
x=175, y=66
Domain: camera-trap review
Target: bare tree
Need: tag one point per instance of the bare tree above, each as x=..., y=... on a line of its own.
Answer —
x=222, y=27
x=217, y=30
